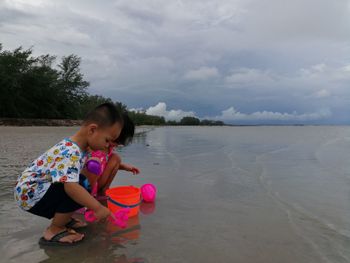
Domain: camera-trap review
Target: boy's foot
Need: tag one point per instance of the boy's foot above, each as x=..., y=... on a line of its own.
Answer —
x=63, y=237
x=76, y=223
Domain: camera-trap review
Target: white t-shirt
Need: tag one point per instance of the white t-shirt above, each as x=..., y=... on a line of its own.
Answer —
x=61, y=163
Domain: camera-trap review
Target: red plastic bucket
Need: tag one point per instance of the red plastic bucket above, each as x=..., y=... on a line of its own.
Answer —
x=122, y=197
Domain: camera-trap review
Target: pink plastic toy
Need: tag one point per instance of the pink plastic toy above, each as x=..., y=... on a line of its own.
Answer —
x=98, y=161
x=149, y=193
x=97, y=165
x=121, y=217
x=90, y=216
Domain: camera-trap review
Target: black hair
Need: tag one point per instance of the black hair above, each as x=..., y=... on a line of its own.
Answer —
x=104, y=115
x=128, y=130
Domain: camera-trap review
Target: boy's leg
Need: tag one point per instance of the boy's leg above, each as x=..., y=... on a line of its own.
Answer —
x=58, y=225
x=109, y=173
x=59, y=207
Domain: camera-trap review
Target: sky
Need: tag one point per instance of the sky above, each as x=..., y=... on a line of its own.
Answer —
x=240, y=61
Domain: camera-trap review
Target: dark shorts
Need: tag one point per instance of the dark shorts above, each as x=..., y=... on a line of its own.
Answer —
x=54, y=201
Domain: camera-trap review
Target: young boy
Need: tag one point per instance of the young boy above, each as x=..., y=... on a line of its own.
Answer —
x=50, y=188
x=115, y=163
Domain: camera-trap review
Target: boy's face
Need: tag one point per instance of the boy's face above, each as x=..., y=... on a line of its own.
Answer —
x=102, y=138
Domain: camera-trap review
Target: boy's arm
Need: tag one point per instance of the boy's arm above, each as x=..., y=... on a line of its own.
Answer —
x=80, y=195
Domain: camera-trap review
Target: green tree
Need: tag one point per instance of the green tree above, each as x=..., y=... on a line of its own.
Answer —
x=171, y=122
x=89, y=102
x=141, y=118
x=189, y=121
x=72, y=88
x=120, y=106
x=211, y=123
x=27, y=84
x=12, y=66
x=39, y=89
x=31, y=87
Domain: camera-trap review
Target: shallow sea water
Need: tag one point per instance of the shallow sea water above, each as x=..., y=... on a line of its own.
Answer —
x=226, y=194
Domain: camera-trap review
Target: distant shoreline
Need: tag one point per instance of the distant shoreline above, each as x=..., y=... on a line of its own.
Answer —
x=38, y=122
x=8, y=122
x=23, y=122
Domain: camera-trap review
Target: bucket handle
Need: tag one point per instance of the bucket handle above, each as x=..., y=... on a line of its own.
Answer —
x=122, y=205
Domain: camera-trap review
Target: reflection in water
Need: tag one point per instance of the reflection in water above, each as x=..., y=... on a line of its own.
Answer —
x=147, y=208
x=123, y=235
x=103, y=243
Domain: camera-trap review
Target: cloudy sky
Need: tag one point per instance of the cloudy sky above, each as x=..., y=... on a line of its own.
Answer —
x=241, y=61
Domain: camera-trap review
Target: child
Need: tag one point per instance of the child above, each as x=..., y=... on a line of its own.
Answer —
x=114, y=162
x=111, y=162
x=50, y=187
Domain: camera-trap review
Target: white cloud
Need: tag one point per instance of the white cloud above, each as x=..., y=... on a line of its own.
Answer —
x=203, y=73
x=161, y=110
x=231, y=114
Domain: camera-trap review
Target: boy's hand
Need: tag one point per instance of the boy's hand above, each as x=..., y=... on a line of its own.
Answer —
x=130, y=168
x=102, y=212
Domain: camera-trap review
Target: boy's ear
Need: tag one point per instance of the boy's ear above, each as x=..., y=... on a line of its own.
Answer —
x=92, y=128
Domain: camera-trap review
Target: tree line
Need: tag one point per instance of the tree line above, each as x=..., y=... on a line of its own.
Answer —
x=40, y=87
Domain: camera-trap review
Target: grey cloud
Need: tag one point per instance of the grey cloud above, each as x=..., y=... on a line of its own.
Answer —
x=10, y=15
x=299, y=20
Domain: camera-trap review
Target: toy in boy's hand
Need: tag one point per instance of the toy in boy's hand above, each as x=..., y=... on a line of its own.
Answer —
x=121, y=217
x=149, y=193
x=90, y=216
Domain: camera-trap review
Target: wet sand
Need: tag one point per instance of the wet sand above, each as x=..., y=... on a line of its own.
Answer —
x=226, y=194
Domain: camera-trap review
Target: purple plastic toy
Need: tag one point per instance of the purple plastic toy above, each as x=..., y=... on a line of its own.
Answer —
x=149, y=193
x=94, y=167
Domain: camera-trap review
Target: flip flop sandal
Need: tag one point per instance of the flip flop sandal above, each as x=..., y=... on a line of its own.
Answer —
x=55, y=240
x=72, y=222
